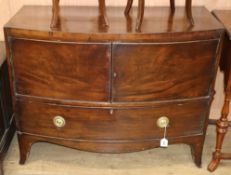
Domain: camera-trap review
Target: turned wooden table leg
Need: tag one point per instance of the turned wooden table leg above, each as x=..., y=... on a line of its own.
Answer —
x=222, y=128
x=140, y=15
x=188, y=7
x=172, y=6
x=128, y=7
x=55, y=14
x=102, y=11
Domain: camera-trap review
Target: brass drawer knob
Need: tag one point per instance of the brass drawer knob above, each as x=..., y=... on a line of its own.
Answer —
x=163, y=122
x=59, y=121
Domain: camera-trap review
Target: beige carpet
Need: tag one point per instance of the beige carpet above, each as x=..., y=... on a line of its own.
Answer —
x=48, y=159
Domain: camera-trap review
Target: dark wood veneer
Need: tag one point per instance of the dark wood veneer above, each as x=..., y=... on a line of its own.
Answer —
x=112, y=124
x=86, y=67
x=77, y=24
x=111, y=84
x=27, y=140
x=148, y=72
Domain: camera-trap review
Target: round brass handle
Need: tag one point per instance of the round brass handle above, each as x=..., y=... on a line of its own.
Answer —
x=163, y=122
x=59, y=121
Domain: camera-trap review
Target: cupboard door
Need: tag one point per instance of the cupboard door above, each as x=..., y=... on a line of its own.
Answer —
x=59, y=70
x=160, y=71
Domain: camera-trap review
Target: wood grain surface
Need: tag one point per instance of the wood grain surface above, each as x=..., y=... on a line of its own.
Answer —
x=147, y=72
x=9, y=7
x=40, y=72
x=101, y=125
x=168, y=63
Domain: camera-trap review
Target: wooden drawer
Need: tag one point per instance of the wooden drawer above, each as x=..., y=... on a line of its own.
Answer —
x=147, y=72
x=71, y=71
x=185, y=119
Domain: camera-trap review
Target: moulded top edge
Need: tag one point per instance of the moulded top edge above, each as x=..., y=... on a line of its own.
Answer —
x=83, y=23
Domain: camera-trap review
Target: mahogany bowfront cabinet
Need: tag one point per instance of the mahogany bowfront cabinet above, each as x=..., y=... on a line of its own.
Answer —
x=112, y=89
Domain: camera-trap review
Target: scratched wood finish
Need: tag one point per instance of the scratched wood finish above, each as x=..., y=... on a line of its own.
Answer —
x=112, y=121
x=69, y=71
x=147, y=72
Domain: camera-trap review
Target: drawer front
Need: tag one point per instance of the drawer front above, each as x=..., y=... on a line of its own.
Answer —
x=71, y=71
x=38, y=118
x=147, y=72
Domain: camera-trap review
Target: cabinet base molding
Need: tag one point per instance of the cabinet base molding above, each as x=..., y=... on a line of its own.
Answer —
x=26, y=140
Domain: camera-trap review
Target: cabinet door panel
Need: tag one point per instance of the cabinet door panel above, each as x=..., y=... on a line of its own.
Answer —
x=71, y=71
x=147, y=72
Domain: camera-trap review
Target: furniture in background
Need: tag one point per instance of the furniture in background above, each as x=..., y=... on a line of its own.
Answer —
x=112, y=91
x=55, y=21
x=223, y=124
x=7, y=128
x=141, y=7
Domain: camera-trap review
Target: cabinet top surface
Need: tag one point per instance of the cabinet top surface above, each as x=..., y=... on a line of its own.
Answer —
x=84, y=23
x=224, y=17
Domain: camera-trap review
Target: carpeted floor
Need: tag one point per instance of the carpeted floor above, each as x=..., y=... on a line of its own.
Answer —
x=48, y=159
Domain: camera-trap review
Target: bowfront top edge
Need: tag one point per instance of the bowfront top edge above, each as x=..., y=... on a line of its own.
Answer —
x=84, y=24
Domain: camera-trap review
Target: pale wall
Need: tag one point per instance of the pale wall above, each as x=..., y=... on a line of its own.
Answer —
x=9, y=7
